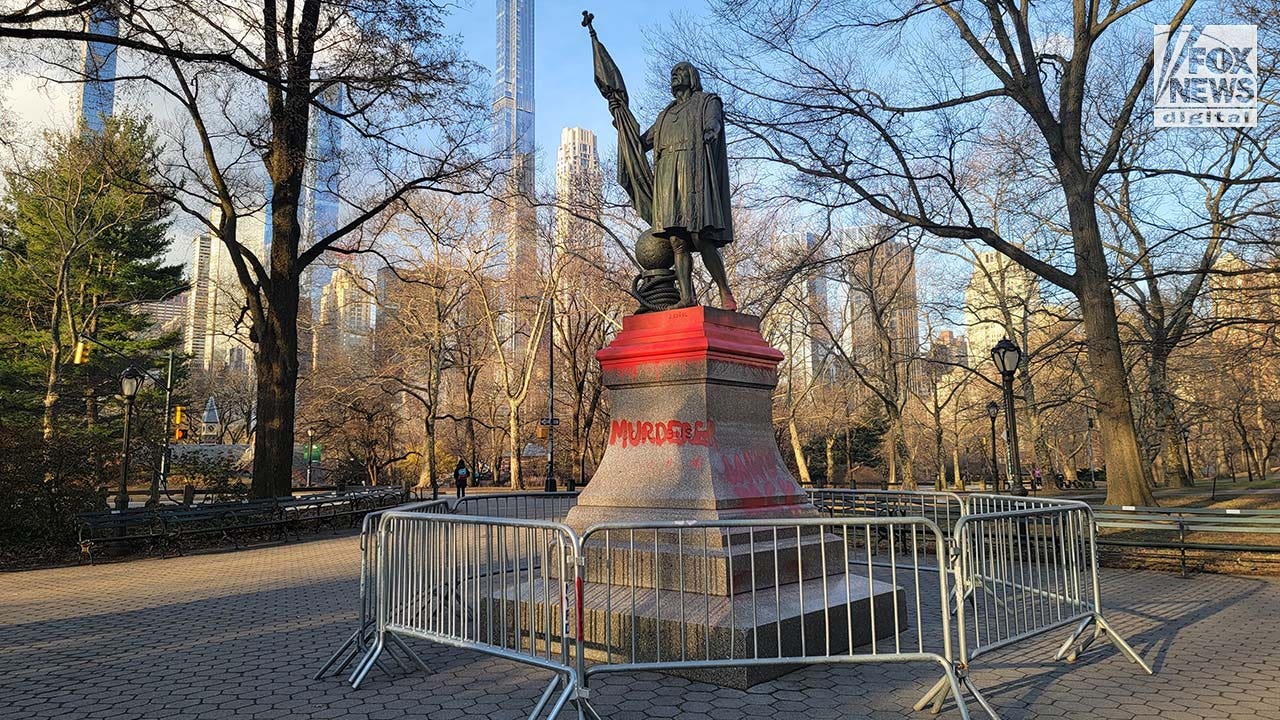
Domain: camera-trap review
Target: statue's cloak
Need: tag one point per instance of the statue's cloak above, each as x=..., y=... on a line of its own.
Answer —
x=691, y=168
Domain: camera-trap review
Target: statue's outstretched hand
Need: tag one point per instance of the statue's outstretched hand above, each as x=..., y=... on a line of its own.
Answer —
x=614, y=104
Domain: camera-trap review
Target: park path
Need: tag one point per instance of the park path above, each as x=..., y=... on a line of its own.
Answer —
x=239, y=634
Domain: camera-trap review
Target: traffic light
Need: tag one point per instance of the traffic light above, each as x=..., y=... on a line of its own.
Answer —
x=180, y=434
x=80, y=355
x=179, y=415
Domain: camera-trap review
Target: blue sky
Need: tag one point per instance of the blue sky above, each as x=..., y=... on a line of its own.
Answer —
x=565, y=94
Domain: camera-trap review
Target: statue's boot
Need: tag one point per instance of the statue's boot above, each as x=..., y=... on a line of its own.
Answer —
x=684, y=279
x=727, y=300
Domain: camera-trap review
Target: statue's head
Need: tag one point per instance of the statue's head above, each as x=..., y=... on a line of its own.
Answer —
x=684, y=76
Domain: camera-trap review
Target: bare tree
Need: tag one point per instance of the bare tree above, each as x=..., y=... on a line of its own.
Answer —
x=250, y=79
x=1048, y=91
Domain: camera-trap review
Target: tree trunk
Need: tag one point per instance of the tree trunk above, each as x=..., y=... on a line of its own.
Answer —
x=54, y=373
x=903, y=466
x=472, y=444
x=802, y=467
x=1127, y=481
x=1168, y=430
x=513, y=444
x=830, y=479
x=940, y=449
x=955, y=467
x=1035, y=422
x=427, y=474
x=276, y=361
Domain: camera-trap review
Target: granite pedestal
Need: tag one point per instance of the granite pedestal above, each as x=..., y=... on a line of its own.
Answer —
x=691, y=438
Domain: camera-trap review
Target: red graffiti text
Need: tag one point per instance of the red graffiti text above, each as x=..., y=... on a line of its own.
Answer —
x=629, y=433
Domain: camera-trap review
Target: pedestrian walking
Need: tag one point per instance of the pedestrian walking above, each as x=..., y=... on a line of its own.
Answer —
x=460, y=474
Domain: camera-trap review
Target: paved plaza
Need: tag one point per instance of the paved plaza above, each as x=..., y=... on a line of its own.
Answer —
x=239, y=635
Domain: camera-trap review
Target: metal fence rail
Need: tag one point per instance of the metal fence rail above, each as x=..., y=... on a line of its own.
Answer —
x=985, y=503
x=1026, y=572
x=359, y=643
x=748, y=594
x=889, y=576
x=506, y=587
x=942, y=508
x=550, y=506
x=1223, y=525
x=167, y=526
x=524, y=505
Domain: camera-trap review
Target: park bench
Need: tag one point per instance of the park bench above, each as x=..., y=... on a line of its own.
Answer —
x=172, y=527
x=1184, y=529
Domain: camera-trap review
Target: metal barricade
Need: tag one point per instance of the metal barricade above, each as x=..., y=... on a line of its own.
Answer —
x=525, y=505
x=359, y=642
x=986, y=503
x=505, y=587
x=706, y=596
x=942, y=508
x=866, y=585
x=1027, y=571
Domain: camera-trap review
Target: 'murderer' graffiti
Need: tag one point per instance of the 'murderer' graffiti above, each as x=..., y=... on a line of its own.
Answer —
x=628, y=433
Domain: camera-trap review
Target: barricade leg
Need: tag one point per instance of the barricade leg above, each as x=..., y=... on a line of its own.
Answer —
x=366, y=664
x=1071, y=639
x=967, y=682
x=950, y=685
x=1101, y=628
x=349, y=650
x=408, y=651
x=546, y=695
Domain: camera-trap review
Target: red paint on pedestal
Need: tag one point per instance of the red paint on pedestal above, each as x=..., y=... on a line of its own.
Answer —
x=688, y=335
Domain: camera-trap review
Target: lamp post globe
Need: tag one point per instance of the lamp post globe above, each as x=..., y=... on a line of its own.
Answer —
x=130, y=381
x=1007, y=357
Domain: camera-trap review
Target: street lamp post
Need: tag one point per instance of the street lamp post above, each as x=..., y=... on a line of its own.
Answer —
x=130, y=381
x=161, y=478
x=550, y=484
x=1007, y=357
x=993, y=411
x=311, y=451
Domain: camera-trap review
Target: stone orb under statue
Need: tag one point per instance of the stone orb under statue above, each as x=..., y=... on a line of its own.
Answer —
x=654, y=253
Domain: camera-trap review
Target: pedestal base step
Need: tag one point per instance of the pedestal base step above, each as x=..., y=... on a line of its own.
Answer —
x=625, y=624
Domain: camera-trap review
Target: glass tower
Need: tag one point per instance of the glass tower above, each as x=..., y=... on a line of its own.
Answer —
x=513, y=127
x=324, y=174
x=97, y=96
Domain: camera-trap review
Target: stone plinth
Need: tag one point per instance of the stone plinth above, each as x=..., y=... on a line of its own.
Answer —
x=712, y=559
x=691, y=438
x=691, y=433
x=623, y=623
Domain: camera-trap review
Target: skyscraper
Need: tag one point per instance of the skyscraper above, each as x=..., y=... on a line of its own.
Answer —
x=97, y=95
x=578, y=188
x=875, y=285
x=196, y=334
x=343, y=328
x=514, y=218
x=216, y=334
x=320, y=209
x=1002, y=300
